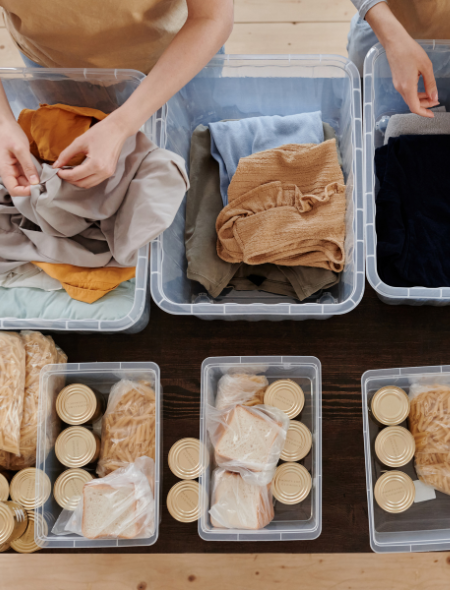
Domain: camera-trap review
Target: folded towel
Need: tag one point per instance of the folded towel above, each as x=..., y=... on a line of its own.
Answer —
x=413, y=211
x=287, y=207
x=411, y=124
x=232, y=140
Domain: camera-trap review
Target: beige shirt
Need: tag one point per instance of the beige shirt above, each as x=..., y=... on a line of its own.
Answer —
x=423, y=19
x=94, y=33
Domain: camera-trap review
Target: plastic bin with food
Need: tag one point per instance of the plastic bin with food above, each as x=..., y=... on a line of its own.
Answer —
x=260, y=427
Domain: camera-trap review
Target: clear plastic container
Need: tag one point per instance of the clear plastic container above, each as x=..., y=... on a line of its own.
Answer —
x=239, y=86
x=380, y=101
x=425, y=526
x=101, y=377
x=105, y=90
x=292, y=522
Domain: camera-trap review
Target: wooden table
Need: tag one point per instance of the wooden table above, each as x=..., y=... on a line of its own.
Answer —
x=373, y=336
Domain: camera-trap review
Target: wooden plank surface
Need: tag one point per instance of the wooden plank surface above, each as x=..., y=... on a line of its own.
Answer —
x=268, y=38
x=273, y=11
x=226, y=572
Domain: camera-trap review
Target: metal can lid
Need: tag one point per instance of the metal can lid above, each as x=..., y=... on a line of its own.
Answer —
x=4, y=547
x=298, y=442
x=4, y=488
x=76, y=446
x=185, y=458
x=68, y=487
x=76, y=404
x=285, y=395
x=395, y=446
x=291, y=483
x=184, y=501
x=23, y=488
x=6, y=523
x=390, y=405
x=26, y=543
x=394, y=492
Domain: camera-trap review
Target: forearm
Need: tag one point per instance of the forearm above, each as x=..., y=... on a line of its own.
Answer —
x=385, y=25
x=191, y=49
x=6, y=114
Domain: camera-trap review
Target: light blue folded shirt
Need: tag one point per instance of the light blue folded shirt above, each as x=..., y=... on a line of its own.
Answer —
x=232, y=140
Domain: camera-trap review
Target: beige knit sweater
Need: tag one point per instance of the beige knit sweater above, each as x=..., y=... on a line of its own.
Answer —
x=286, y=206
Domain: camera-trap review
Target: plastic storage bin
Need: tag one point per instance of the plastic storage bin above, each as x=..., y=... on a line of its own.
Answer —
x=235, y=86
x=426, y=525
x=291, y=523
x=381, y=100
x=105, y=90
x=100, y=376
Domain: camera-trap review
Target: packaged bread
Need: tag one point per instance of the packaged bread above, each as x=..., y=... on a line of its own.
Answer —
x=429, y=422
x=12, y=389
x=237, y=504
x=118, y=506
x=40, y=350
x=240, y=388
x=248, y=440
x=128, y=426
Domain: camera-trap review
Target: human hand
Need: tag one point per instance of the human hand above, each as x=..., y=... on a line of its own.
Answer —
x=16, y=166
x=408, y=61
x=102, y=145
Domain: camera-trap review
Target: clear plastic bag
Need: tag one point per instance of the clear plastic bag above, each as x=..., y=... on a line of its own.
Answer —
x=237, y=504
x=12, y=390
x=429, y=422
x=40, y=350
x=118, y=506
x=248, y=440
x=240, y=388
x=128, y=426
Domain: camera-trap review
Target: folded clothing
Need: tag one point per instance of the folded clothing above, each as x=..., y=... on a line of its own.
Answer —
x=233, y=140
x=203, y=205
x=52, y=128
x=96, y=227
x=413, y=211
x=87, y=284
x=410, y=124
x=35, y=304
x=287, y=207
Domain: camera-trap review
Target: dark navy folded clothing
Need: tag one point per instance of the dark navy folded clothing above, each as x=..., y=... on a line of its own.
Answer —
x=413, y=211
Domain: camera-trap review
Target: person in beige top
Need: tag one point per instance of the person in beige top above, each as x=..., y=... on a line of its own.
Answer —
x=169, y=40
x=396, y=23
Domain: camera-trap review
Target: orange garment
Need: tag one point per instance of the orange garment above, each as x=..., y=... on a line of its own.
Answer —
x=52, y=128
x=287, y=207
x=87, y=284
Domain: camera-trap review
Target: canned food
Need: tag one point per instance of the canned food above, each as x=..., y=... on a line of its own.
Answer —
x=77, y=404
x=395, y=492
x=23, y=488
x=184, y=501
x=26, y=543
x=291, y=483
x=395, y=446
x=390, y=405
x=4, y=488
x=285, y=395
x=13, y=522
x=298, y=442
x=77, y=446
x=68, y=487
x=185, y=458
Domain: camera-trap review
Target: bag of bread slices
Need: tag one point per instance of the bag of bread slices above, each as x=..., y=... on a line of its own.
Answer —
x=247, y=439
x=429, y=423
x=118, y=506
x=237, y=504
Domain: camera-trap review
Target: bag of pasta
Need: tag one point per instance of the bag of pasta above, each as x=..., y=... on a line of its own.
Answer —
x=429, y=422
x=40, y=350
x=12, y=389
x=128, y=426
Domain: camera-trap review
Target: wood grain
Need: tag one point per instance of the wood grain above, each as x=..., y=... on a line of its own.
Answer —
x=225, y=572
x=267, y=38
x=262, y=11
